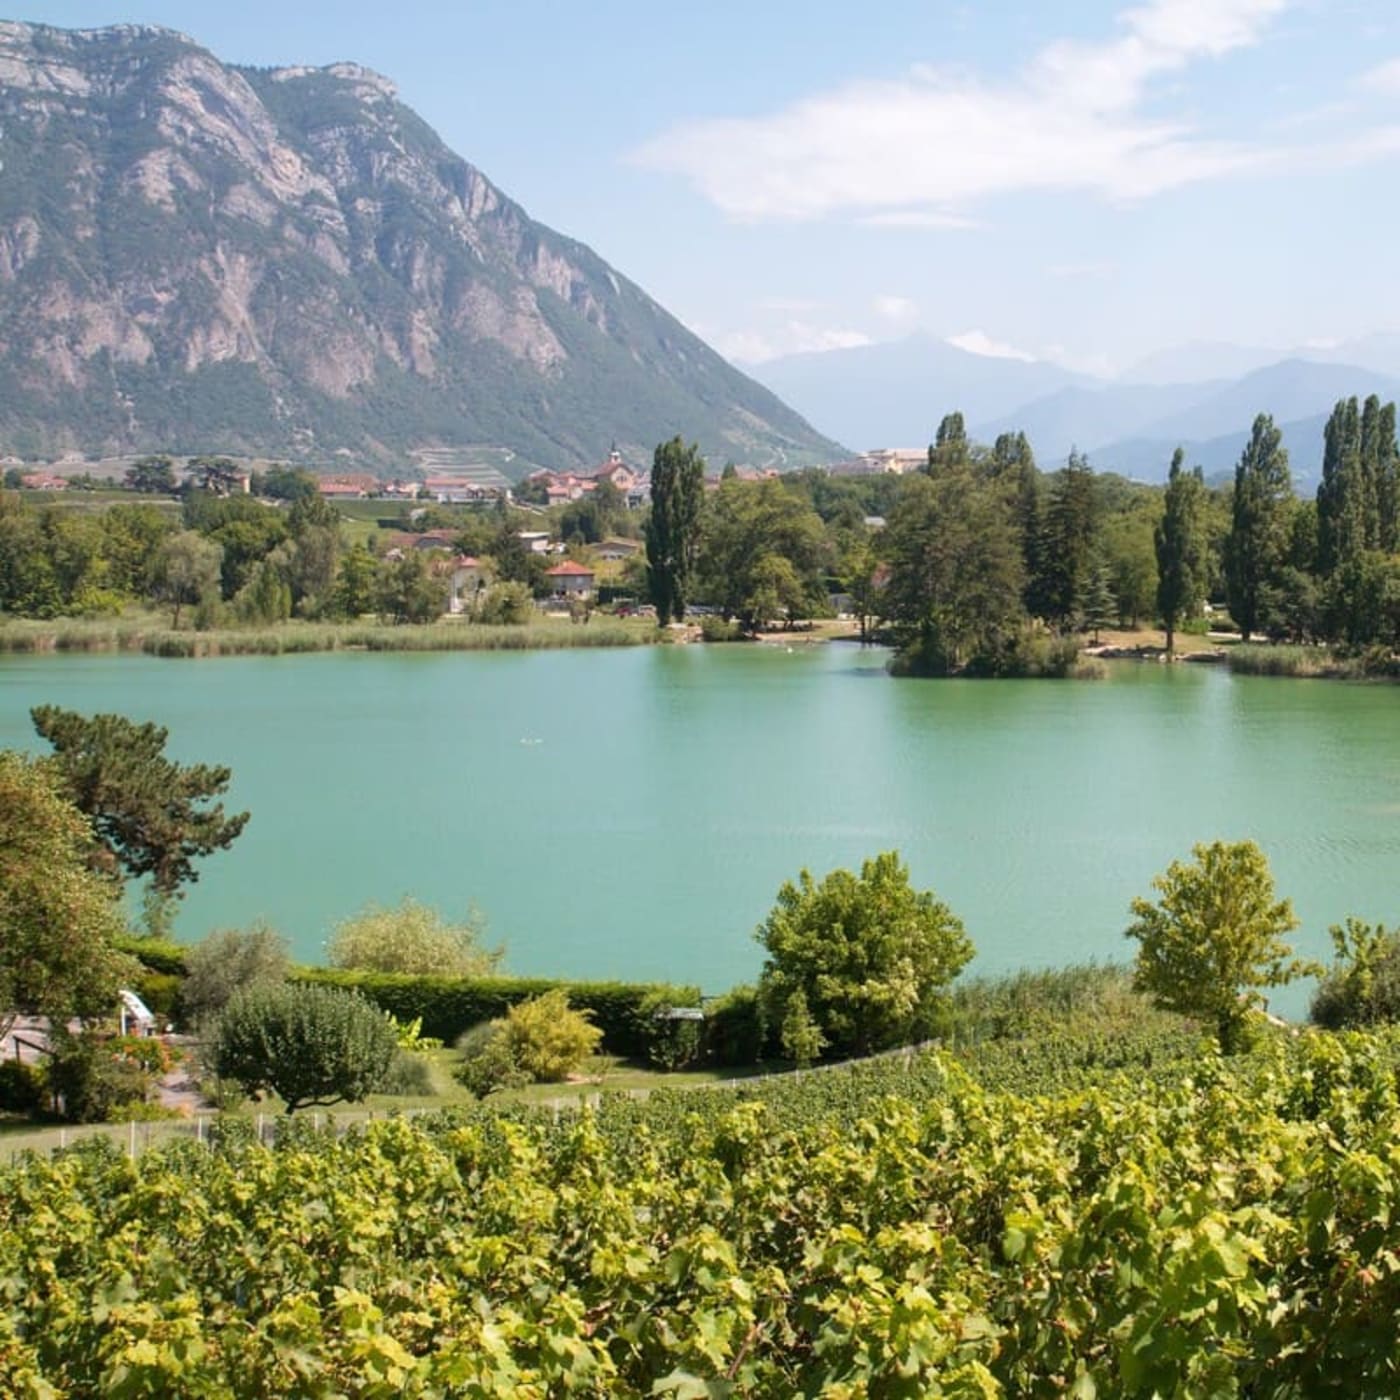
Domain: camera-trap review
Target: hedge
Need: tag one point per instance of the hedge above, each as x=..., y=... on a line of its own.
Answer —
x=157, y=955
x=449, y=1005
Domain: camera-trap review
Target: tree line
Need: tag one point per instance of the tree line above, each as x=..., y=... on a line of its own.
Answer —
x=987, y=564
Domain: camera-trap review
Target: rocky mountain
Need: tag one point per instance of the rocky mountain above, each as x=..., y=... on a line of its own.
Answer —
x=199, y=257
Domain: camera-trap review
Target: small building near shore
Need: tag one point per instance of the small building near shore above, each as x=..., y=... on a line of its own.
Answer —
x=570, y=580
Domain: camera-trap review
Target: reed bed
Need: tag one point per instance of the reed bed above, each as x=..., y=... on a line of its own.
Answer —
x=156, y=638
x=1256, y=659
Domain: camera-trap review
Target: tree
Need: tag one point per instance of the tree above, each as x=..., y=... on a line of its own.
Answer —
x=1070, y=536
x=229, y=961
x=59, y=918
x=411, y=591
x=307, y=1044
x=282, y=483
x=762, y=550
x=1215, y=938
x=219, y=475
x=186, y=570
x=1100, y=606
x=154, y=816
x=1180, y=545
x=955, y=585
x=414, y=939
x=153, y=476
x=673, y=528
x=950, y=447
x=868, y=954
x=356, y=583
x=1259, y=520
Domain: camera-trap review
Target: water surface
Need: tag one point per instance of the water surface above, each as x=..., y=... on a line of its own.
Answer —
x=632, y=813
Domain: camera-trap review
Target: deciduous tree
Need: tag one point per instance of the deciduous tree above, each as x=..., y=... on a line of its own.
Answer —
x=1180, y=545
x=59, y=918
x=412, y=938
x=1260, y=514
x=868, y=953
x=1214, y=939
x=309, y=1045
x=186, y=570
x=673, y=528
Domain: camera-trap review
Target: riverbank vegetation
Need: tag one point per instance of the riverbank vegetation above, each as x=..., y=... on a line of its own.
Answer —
x=980, y=564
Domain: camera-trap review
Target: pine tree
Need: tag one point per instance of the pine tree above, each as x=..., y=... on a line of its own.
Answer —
x=1180, y=543
x=1071, y=528
x=1255, y=546
x=1100, y=606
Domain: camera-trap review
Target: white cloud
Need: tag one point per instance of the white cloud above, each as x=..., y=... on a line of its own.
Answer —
x=978, y=342
x=892, y=308
x=915, y=151
x=1383, y=78
x=752, y=347
x=918, y=218
x=794, y=305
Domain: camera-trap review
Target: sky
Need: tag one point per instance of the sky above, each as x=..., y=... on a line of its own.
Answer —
x=1075, y=180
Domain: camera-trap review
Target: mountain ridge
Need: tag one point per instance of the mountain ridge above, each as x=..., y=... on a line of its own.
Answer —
x=199, y=256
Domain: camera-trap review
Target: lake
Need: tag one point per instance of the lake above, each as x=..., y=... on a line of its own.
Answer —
x=632, y=813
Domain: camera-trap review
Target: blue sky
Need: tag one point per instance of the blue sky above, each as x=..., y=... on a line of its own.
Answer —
x=1078, y=180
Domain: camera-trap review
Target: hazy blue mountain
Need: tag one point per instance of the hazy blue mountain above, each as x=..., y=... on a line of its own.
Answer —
x=1290, y=390
x=1134, y=428
x=1147, y=459
x=1199, y=361
x=894, y=393
x=1087, y=417
x=200, y=257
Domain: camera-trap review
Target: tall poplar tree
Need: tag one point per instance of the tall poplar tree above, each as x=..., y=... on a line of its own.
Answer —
x=1259, y=522
x=1342, y=494
x=950, y=445
x=672, y=534
x=1180, y=544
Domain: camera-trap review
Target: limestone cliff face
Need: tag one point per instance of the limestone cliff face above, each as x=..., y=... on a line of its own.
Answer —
x=195, y=256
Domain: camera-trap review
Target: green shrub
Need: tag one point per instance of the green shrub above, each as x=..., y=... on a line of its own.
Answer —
x=157, y=954
x=231, y=960
x=675, y=1042
x=411, y=939
x=506, y=605
x=90, y=1082
x=410, y=1076
x=146, y=1052
x=23, y=1087
x=487, y=1063
x=1362, y=986
x=736, y=1028
x=450, y=1005
x=161, y=993
x=714, y=628
x=547, y=1038
x=309, y=1045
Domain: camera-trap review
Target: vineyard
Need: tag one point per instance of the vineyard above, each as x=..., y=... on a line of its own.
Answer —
x=1123, y=1215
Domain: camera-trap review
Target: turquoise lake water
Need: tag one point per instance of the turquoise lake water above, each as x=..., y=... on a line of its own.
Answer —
x=632, y=813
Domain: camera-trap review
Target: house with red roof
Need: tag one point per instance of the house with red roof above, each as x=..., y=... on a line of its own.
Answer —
x=569, y=579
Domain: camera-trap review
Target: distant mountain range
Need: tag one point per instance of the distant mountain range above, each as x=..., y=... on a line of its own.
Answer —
x=893, y=395
x=289, y=262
